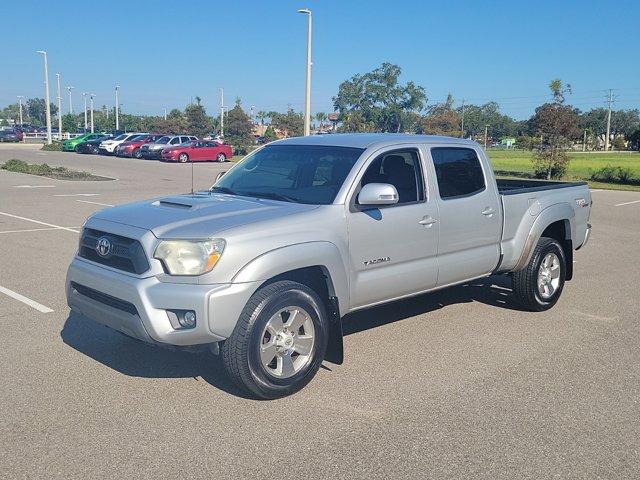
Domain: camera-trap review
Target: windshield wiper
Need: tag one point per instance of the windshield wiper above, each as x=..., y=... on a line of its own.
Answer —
x=223, y=190
x=271, y=195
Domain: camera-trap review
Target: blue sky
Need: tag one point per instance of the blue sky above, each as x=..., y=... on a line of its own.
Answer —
x=164, y=53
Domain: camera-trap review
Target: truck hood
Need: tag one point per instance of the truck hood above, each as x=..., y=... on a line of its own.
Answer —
x=201, y=215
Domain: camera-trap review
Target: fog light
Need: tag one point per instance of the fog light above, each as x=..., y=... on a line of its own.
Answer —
x=188, y=320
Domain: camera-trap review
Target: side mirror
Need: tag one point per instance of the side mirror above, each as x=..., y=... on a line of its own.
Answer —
x=219, y=176
x=378, y=194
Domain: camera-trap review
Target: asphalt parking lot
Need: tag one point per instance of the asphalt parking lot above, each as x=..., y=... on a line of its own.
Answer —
x=460, y=383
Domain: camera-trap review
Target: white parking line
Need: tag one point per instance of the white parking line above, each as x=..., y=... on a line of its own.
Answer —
x=77, y=195
x=30, y=230
x=627, y=203
x=25, y=300
x=34, y=186
x=96, y=203
x=39, y=222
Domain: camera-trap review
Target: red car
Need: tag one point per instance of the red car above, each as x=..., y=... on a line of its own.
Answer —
x=198, y=151
x=132, y=147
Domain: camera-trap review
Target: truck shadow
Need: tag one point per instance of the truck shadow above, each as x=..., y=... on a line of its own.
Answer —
x=137, y=359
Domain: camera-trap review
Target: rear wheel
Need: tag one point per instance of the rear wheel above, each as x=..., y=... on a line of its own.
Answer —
x=539, y=286
x=279, y=341
x=221, y=157
x=137, y=153
x=183, y=158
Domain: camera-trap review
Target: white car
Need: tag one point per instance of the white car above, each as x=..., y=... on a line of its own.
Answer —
x=109, y=146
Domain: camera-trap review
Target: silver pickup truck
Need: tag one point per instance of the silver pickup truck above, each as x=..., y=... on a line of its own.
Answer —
x=263, y=266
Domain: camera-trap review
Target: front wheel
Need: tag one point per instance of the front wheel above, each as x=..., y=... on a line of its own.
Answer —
x=539, y=285
x=221, y=158
x=137, y=153
x=279, y=342
x=183, y=158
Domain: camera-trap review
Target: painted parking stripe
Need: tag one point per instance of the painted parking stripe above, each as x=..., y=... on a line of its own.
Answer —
x=39, y=222
x=77, y=195
x=96, y=203
x=25, y=300
x=627, y=203
x=34, y=186
x=47, y=229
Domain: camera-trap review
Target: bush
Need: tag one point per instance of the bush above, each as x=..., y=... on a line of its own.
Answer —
x=610, y=174
x=54, y=147
x=550, y=163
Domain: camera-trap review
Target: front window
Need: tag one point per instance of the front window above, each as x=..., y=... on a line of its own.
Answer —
x=121, y=137
x=295, y=173
x=163, y=140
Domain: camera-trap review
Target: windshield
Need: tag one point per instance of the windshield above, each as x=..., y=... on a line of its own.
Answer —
x=121, y=137
x=136, y=138
x=162, y=140
x=296, y=173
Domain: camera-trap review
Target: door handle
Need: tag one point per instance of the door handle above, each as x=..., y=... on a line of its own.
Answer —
x=487, y=212
x=427, y=221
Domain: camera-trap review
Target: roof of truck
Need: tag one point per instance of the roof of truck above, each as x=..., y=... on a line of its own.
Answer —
x=365, y=140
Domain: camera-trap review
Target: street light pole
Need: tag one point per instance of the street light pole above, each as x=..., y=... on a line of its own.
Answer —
x=91, y=95
x=307, y=98
x=46, y=94
x=84, y=94
x=117, y=107
x=486, y=132
x=222, y=112
x=20, y=97
x=70, y=102
x=59, y=108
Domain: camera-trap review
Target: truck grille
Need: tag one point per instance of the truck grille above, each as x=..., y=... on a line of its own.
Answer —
x=123, y=254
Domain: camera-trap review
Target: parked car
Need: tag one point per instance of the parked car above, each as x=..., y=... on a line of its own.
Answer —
x=71, y=144
x=262, y=267
x=11, y=135
x=154, y=149
x=92, y=146
x=131, y=148
x=198, y=151
x=108, y=146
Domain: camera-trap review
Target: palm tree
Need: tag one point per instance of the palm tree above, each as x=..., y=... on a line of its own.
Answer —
x=262, y=115
x=321, y=117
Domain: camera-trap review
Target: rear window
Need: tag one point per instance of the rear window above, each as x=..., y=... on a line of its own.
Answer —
x=458, y=171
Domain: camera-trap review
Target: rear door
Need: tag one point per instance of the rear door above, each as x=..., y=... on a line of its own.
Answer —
x=470, y=214
x=393, y=248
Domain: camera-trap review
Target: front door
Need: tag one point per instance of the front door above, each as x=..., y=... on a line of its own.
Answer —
x=393, y=249
x=470, y=215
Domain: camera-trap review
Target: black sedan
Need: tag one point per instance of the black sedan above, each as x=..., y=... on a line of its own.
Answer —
x=10, y=135
x=92, y=145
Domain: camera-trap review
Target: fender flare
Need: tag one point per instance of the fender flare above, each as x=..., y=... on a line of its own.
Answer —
x=551, y=214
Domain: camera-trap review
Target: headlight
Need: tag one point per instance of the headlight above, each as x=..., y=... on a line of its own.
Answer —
x=189, y=257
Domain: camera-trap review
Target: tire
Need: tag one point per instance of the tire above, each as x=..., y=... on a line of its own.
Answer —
x=221, y=158
x=137, y=153
x=76, y=149
x=245, y=354
x=538, y=287
x=183, y=158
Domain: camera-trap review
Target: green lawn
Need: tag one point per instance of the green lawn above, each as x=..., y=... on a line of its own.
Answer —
x=581, y=167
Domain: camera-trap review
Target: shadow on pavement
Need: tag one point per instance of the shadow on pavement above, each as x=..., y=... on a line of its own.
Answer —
x=137, y=359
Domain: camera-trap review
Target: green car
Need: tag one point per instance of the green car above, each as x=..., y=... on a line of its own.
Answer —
x=71, y=144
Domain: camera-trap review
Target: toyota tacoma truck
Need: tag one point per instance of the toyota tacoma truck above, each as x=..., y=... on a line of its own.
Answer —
x=262, y=267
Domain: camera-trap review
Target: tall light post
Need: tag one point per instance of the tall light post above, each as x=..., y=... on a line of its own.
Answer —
x=117, y=108
x=46, y=94
x=86, y=125
x=486, y=133
x=59, y=108
x=307, y=98
x=222, y=112
x=91, y=95
x=70, y=102
x=20, y=97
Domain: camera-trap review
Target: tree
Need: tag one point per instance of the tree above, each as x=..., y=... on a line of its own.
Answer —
x=238, y=127
x=441, y=119
x=261, y=116
x=321, y=117
x=375, y=101
x=557, y=124
x=477, y=116
x=270, y=134
x=70, y=122
x=196, y=120
x=36, y=109
x=290, y=123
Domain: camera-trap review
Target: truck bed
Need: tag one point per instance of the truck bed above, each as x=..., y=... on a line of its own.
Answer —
x=509, y=186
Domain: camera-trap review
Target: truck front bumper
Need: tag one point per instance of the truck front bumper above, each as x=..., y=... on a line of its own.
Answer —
x=139, y=307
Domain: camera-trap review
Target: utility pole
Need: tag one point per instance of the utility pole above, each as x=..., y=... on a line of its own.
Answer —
x=251, y=114
x=486, y=132
x=307, y=96
x=86, y=124
x=165, y=113
x=117, y=107
x=609, y=101
x=462, y=123
x=584, y=141
x=20, y=97
x=221, y=112
x=46, y=94
x=91, y=95
x=70, y=102
x=59, y=108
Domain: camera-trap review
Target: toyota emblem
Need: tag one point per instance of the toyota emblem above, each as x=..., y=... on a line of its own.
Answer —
x=103, y=247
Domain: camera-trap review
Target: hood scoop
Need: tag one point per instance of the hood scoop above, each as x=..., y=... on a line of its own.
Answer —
x=172, y=204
